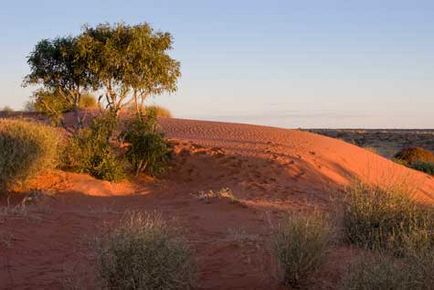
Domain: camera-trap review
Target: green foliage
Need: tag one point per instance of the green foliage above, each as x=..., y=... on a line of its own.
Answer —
x=128, y=62
x=90, y=150
x=57, y=65
x=26, y=149
x=300, y=246
x=144, y=252
x=415, y=154
x=147, y=149
x=52, y=104
x=380, y=272
x=427, y=167
x=386, y=219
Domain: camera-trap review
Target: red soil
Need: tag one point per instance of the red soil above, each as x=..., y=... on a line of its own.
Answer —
x=270, y=170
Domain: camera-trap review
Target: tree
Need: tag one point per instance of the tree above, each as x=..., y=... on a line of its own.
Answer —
x=129, y=63
x=57, y=66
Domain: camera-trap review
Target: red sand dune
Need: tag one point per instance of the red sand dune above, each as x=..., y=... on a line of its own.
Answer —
x=270, y=170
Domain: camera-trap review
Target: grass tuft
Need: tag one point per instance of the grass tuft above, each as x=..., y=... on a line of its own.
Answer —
x=386, y=219
x=144, y=252
x=300, y=246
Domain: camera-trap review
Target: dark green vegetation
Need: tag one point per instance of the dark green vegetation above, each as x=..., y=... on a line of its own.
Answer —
x=147, y=149
x=26, y=148
x=144, y=252
x=416, y=158
x=300, y=247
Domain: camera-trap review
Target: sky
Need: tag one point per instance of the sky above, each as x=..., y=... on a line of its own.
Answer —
x=291, y=64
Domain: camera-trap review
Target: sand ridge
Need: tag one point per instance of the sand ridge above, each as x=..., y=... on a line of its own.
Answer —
x=270, y=170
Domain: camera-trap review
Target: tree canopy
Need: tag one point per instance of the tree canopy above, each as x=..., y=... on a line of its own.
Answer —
x=122, y=63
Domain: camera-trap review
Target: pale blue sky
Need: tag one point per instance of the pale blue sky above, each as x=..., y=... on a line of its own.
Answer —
x=324, y=63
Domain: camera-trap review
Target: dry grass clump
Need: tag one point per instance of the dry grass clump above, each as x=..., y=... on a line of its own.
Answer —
x=26, y=148
x=386, y=219
x=300, y=246
x=383, y=272
x=144, y=252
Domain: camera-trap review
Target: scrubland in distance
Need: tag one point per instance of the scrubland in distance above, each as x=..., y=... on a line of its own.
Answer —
x=144, y=252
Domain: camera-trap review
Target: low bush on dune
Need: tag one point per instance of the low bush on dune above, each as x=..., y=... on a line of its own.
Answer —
x=383, y=272
x=427, y=167
x=144, y=252
x=300, y=246
x=25, y=149
x=386, y=219
x=147, y=149
x=159, y=111
x=90, y=150
x=415, y=154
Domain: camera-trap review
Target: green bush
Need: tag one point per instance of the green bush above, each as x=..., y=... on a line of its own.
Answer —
x=90, y=151
x=427, y=167
x=147, y=149
x=415, y=154
x=300, y=247
x=26, y=148
x=383, y=272
x=144, y=252
x=159, y=111
x=386, y=219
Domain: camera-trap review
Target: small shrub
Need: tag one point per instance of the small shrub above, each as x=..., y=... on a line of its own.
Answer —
x=88, y=101
x=415, y=154
x=300, y=247
x=147, y=149
x=90, y=151
x=427, y=167
x=144, y=252
x=26, y=149
x=159, y=111
x=386, y=219
x=382, y=272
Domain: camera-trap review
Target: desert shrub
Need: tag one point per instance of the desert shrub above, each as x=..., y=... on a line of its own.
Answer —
x=427, y=167
x=90, y=150
x=144, y=252
x=88, y=101
x=415, y=154
x=159, y=111
x=300, y=246
x=383, y=272
x=147, y=149
x=25, y=149
x=386, y=219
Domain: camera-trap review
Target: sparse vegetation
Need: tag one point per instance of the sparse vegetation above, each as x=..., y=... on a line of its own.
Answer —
x=427, y=167
x=223, y=193
x=147, y=149
x=90, y=150
x=383, y=272
x=386, y=219
x=300, y=246
x=415, y=154
x=144, y=252
x=26, y=148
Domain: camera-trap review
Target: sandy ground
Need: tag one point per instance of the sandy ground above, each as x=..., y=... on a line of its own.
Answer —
x=271, y=171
